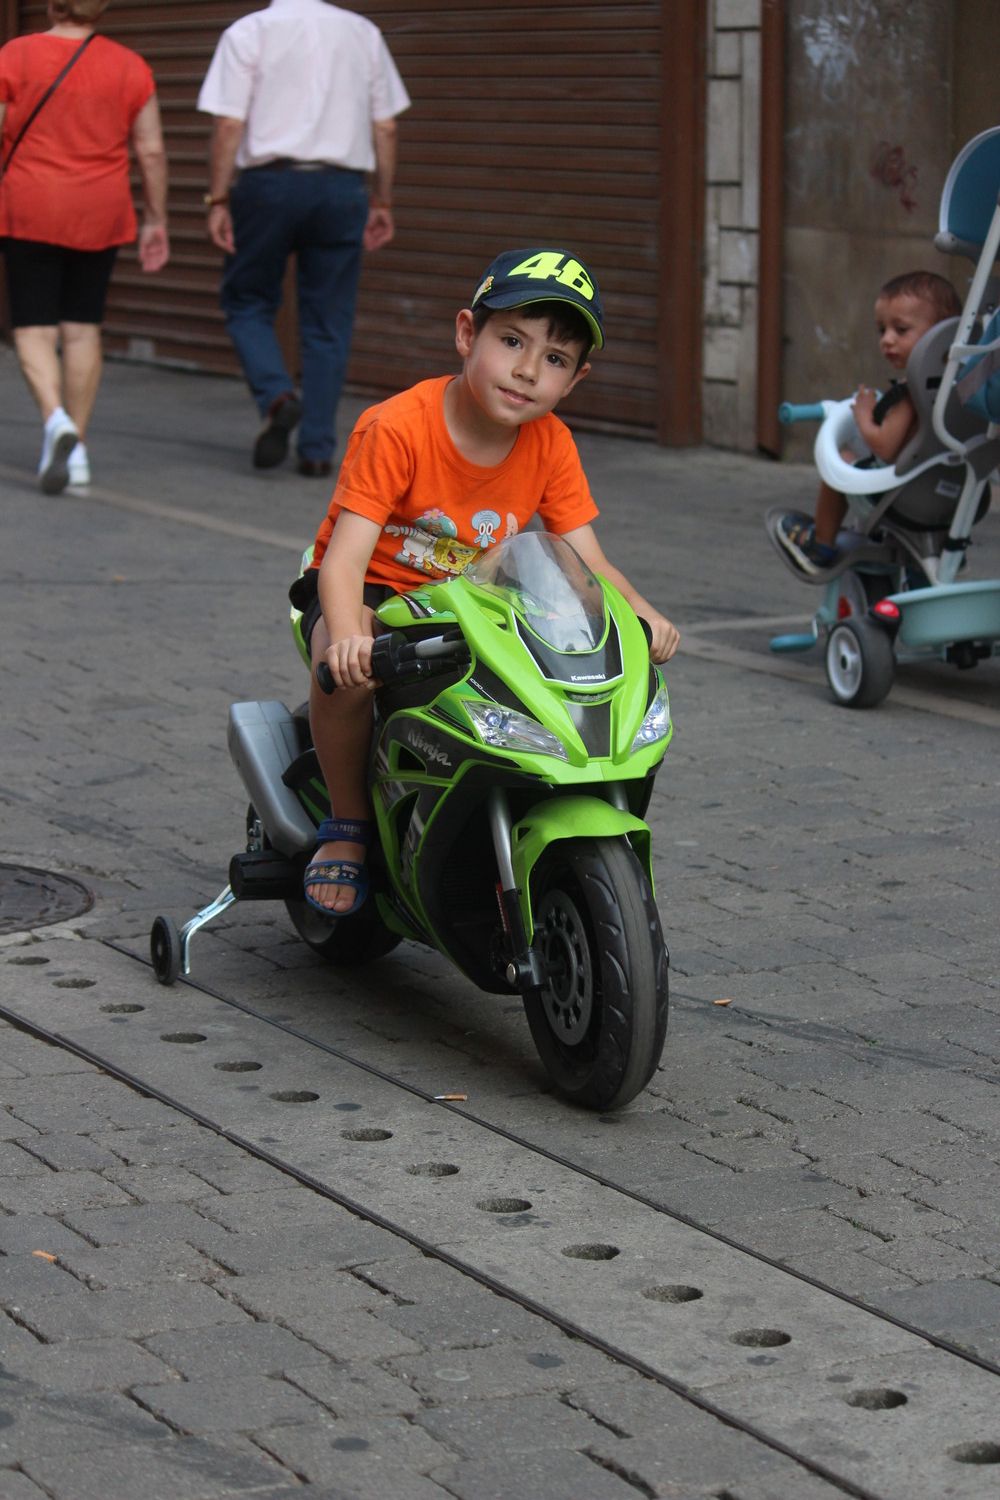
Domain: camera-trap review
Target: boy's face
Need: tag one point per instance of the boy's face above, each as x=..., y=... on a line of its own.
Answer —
x=515, y=369
x=901, y=321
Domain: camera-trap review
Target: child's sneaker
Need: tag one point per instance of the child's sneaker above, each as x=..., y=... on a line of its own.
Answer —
x=59, y=439
x=799, y=540
x=78, y=465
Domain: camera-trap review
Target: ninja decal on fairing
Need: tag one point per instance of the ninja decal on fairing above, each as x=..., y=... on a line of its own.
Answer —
x=427, y=749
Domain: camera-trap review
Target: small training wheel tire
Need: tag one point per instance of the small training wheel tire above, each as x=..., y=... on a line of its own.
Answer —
x=860, y=665
x=165, y=950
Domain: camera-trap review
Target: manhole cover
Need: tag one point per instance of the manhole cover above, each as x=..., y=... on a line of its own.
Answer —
x=36, y=898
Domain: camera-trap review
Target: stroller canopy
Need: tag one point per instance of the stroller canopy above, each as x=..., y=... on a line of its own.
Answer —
x=970, y=195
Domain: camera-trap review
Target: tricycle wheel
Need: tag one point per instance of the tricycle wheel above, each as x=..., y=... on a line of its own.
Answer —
x=859, y=663
x=165, y=950
x=600, y=1020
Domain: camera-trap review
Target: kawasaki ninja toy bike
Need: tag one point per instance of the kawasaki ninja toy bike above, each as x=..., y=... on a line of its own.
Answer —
x=518, y=729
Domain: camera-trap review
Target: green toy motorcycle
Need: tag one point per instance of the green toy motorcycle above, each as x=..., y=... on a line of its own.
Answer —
x=518, y=729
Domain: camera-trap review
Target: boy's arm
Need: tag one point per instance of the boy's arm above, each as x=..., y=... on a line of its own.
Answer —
x=665, y=636
x=341, y=586
x=887, y=438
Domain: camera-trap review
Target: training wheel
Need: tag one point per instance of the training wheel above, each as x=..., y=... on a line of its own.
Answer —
x=165, y=950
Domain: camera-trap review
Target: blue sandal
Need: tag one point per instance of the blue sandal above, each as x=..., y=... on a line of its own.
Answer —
x=346, y=872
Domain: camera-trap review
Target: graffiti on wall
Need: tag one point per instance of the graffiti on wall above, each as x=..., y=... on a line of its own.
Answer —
x=890, y=168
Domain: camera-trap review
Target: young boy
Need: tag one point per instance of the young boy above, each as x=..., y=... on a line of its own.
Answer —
x=430, y=479
x=905, y=308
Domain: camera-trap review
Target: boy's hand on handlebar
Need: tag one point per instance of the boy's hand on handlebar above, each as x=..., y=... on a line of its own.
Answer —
x=665, y=637
x=350, y=661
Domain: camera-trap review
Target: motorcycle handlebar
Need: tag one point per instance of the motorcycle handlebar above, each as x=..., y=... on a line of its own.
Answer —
x=395, y=659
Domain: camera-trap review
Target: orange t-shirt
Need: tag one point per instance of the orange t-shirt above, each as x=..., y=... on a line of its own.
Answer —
x=69, y=181
x=437, y=511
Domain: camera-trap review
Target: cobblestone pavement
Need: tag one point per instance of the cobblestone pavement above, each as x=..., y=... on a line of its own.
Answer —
x=179, y=1319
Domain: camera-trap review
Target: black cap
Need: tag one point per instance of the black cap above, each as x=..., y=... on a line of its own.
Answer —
x=519, y=277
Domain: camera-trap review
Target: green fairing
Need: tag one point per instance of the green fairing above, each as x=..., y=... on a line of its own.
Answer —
x=562, y=818
x=483, y=621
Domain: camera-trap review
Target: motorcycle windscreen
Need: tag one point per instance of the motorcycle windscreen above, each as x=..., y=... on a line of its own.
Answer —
x=551, y=587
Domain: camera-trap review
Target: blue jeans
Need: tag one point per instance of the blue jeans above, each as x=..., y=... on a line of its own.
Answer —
x=320, y=218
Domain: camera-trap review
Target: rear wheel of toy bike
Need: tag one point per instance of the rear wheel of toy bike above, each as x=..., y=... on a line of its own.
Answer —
x=340, y=940
x=860, y=665
x=356, y=939
x=600, y=1021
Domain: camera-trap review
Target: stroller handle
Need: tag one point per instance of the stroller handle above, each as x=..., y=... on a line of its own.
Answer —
x=788, y=412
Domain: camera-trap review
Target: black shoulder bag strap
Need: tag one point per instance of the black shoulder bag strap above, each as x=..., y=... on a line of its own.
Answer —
x=44, y=100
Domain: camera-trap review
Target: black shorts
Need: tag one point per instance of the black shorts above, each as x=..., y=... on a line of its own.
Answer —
x=51, y=284
x=304, y=595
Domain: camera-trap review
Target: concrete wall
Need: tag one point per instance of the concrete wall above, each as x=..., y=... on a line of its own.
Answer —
x=868, y=138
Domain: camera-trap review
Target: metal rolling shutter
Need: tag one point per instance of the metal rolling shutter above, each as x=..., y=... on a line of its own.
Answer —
x=529, y=125
x=174, y=316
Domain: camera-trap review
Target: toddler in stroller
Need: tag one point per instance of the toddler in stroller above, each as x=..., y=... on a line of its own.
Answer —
x=905, y=309
x=890, y=581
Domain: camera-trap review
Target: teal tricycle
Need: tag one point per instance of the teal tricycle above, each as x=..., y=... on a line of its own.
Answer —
x=893, y=594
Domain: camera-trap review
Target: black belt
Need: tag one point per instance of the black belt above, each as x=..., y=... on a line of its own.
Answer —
x=292, y=164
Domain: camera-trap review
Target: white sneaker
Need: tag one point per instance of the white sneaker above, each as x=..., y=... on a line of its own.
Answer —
x=79, y=465
x=59, y=439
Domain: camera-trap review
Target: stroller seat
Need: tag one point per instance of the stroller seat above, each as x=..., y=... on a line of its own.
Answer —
x=921, y=490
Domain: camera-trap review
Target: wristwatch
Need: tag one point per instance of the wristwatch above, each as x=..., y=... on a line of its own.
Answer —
x=211, y=202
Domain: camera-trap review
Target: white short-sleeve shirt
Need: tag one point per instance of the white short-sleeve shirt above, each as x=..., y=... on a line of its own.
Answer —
x=308, y=79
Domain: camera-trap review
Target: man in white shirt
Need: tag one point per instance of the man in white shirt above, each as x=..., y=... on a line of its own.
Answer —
x=304, y=96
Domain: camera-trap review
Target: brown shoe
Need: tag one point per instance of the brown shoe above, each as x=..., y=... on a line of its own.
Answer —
x=272, y=443
x=315, y=468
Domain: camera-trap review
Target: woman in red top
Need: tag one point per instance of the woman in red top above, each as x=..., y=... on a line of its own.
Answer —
x=66, y=206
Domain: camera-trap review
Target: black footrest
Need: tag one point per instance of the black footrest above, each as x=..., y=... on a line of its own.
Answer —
x=264, y=875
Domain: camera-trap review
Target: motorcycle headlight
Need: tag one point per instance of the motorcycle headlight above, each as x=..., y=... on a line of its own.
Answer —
x=503, y=728
x=656, y=725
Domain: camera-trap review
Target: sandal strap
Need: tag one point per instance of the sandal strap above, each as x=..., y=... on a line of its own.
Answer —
x=334, y=872
x=344, y=830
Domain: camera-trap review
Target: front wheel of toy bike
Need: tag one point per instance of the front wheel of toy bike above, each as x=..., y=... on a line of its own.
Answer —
x=860, y=665
x=600, y=1021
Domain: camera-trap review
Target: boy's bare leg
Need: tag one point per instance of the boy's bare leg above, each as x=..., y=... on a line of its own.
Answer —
x=342, y=729
x=831, y=508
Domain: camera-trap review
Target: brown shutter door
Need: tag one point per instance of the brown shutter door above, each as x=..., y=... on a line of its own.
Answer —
x=174, y=317
x=530, y=125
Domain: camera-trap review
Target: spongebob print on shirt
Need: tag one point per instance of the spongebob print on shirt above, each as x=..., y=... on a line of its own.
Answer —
x=431, y=544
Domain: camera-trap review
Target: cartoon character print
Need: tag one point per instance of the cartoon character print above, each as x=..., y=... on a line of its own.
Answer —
x=486, y=523
x=431, y=544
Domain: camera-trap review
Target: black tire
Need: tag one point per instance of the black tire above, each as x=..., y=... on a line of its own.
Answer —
x=340, y=940
x=601, y=1020
x=347, y=941
x=860, y=665
x=165, y=950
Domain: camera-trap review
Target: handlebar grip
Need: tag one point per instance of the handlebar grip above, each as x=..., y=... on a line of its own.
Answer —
x=325, y=678
x=788, y=412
